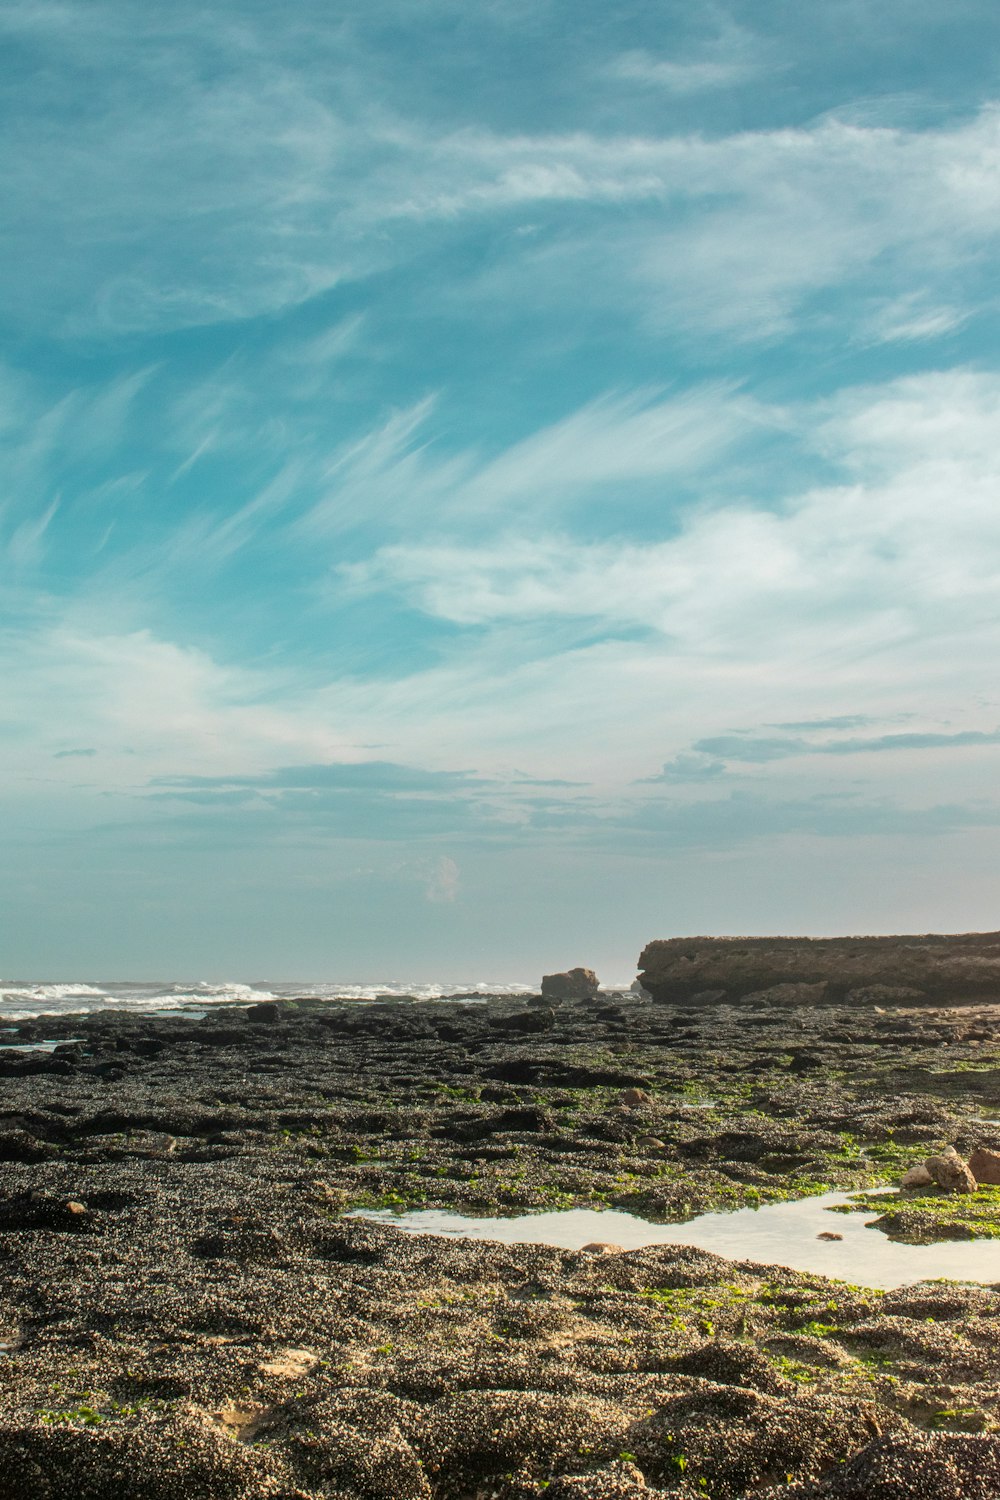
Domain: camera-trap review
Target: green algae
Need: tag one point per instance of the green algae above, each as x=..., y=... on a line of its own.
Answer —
x=922, y=1218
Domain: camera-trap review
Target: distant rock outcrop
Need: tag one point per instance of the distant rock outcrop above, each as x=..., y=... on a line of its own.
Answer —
x=574, y=984
x=863, y=970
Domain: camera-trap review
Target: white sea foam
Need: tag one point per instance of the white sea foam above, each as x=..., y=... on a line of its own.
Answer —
x=46, y=991
x=25, y=999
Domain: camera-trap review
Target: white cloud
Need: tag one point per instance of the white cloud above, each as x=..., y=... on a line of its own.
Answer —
x=602, y=448
x=878, y=595
x=911, y=318
x=212, y=179
x=681, y=77
x=874, y=599
x=928, y=422
x=736, y=234
x=148, y=706
x=738, y=231
x=442, y=884
x=731, y=56
x=24, y=544
x=50, y=452
x=798, y=211
x=332, y=344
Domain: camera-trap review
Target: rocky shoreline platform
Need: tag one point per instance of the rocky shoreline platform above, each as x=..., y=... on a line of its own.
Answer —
x=187, y=1308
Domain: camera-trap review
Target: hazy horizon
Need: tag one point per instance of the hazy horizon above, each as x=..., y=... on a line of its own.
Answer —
x=485, y=486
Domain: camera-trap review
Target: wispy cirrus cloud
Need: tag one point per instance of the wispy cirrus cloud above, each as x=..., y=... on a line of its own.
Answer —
x=853, y=590
x=851, y=595
x=229, y=170
x=728, y=56
x=623, y=440
x=918, y=534
x=745, y=817
x=912, y=317
x=684, y=77
x=330, y=776
x=752, y=749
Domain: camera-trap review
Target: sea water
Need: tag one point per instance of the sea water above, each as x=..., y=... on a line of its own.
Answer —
x=21, y=999
x=781, y=1234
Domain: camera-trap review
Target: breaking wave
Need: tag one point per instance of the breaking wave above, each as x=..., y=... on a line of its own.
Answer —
x=23, y=999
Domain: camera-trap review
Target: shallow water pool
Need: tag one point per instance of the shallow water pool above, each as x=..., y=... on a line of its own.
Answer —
x=783, y=1234
x=49, y=1045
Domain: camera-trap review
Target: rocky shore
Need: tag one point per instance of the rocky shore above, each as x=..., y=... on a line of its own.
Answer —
x=935, y=968
x=185, y=1310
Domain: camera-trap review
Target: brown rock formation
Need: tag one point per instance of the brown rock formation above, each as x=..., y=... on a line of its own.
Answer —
x=865, y=970
x=950, y=1172
x=984, y=1165
x=574, y=984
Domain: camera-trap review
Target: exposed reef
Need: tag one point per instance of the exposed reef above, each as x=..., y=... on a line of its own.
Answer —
x=186, y=1312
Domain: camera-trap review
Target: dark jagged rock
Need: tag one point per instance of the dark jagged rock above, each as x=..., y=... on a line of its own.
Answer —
x=264, y=1010
x=530, y=1021
x=34, y=1210
x=18, y=1145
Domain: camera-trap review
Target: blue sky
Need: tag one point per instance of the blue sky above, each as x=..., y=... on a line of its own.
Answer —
x=485, y=484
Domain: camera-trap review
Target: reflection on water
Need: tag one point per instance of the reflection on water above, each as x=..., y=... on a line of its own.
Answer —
x=783, y=1234
x=49, y=1045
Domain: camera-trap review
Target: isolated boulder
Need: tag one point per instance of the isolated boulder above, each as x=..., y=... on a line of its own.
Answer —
x=917, y=1177
x=574, y=984
x=634, y=1098
x=950, y=1172
x=264, y=1010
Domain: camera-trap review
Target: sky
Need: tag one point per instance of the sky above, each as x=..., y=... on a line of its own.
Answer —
x=484, y=484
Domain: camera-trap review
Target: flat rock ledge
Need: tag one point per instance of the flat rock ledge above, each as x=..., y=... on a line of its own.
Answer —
x=933, y=968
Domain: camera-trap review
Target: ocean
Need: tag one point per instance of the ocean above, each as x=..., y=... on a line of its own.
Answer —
x=23, y=999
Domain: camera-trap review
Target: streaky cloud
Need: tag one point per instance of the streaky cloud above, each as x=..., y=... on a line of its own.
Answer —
x=749, y=749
